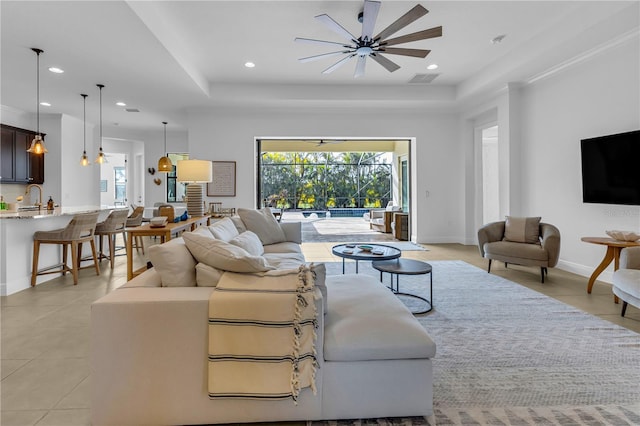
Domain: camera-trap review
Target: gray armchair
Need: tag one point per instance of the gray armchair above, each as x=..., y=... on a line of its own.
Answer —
x=543, y=253
x=626, y=280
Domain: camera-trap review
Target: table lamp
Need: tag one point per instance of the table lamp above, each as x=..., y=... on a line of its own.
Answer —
x=194, y=173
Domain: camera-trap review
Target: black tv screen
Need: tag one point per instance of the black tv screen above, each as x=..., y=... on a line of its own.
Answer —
x=611, y=169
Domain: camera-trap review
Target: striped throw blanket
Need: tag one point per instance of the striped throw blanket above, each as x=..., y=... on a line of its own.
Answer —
x=262, y=334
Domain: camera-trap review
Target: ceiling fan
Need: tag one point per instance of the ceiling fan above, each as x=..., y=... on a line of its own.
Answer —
x=370, y=46
x=323, y=142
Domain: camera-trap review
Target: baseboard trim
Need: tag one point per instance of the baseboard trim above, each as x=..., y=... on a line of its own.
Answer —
x=585, y=271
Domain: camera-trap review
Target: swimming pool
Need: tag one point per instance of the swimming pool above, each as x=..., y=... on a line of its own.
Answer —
x=337, y=212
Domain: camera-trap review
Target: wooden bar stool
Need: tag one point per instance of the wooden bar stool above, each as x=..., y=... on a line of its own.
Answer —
x=113, y=225
x=135, y=219
x=81, y=229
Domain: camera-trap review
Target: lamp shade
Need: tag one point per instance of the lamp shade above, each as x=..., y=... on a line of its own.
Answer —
x=195, y=171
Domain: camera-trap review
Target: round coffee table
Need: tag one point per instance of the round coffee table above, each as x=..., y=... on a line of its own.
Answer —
x=353, y=251
x=399, y=267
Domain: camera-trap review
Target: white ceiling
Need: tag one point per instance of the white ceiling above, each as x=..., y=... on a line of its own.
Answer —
x=163, y=57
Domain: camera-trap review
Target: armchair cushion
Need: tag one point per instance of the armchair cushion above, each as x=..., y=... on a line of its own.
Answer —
x=522, y=229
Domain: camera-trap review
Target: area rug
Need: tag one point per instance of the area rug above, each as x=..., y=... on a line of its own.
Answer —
x=507, y=355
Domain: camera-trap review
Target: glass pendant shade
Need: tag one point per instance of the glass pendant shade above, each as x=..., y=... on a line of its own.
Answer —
x=101, y=159
x=164, y=163
x=37, y=144
x=84, y=160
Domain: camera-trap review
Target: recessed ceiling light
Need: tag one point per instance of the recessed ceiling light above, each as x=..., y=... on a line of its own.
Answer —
x=56, y=70
x=432, y=67
x=249, y=64
x=498, y=39
x=45, y=104
x=121, y=104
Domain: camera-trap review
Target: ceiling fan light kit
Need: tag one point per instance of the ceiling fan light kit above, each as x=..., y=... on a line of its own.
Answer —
x=369, y=46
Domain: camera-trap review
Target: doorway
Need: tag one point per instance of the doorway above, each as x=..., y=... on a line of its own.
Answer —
x=113, y=180
x=490, y=181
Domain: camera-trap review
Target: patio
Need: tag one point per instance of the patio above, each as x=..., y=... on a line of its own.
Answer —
x=335, y=229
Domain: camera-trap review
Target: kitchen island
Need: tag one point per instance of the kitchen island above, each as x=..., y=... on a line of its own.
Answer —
x=16, y=243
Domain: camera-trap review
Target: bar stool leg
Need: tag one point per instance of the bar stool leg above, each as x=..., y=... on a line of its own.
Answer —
x=74, y=262
x=95, y=256
x=112, y=249
x=36, y=253
x=64, y=260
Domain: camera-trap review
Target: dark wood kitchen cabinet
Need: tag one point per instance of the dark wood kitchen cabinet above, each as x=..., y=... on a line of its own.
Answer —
x=16, y=164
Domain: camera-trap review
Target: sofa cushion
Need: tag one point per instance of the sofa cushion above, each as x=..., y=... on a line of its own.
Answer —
x=264, y=224
x=207, y=276
x=284, y=260
x=522, y=229
x=363, y=323
x=320, y=271
x=224, y=229
x=284, y=247
x=174, y=263
x=222, y=255
x=250, y=242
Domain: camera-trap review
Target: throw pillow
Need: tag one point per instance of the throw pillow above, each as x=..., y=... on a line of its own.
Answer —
x=238, y=223
x=207, y=276
x=522, y=229
x=264, y=224
x=204, y=231
x=174, y=263
x=250, y=242
x=224, y=230
x=222, y=255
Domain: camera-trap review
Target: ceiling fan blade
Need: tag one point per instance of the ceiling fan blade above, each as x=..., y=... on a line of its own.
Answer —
x=420, y=35
x=362, y=61
x=386, y=63
x=322, y=56
x=335, y=27
x=338, y=64
x=313, y=41
x=417, y=53
x=416, y=12
x=369, y=17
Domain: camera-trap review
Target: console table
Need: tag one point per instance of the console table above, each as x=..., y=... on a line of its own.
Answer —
x=614, y=247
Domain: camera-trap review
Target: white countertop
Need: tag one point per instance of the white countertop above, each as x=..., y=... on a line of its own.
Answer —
x=58, y=211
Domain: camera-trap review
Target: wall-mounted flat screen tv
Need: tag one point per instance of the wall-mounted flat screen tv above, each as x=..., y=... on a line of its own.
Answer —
x=611, y=169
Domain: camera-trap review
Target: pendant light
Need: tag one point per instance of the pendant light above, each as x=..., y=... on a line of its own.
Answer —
x=164, y=163
x=100, y=159
x=37, y=144
x=84, y=160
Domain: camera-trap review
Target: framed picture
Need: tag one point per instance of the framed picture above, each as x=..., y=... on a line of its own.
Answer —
x=224, y=179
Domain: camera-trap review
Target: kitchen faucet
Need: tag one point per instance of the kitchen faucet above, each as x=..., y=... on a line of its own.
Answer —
x=28, y=192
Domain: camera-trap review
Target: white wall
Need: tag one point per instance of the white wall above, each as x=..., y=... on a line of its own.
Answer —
x=79, y=184
x=597, y=97
x=437, y=164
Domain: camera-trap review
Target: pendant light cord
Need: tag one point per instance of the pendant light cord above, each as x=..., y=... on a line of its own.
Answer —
x=84, y=121
x=165, y=138
x=38, y=52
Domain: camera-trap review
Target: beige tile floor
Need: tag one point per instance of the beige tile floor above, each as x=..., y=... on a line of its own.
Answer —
x=45, y=330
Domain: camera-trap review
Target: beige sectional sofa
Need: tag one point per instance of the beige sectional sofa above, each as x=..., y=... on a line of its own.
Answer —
x=149, y=353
